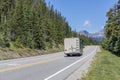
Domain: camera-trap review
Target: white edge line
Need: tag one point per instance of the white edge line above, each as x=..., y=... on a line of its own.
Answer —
x=70, y=65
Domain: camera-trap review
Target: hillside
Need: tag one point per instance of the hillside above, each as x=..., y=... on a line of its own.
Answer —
x=31, y=24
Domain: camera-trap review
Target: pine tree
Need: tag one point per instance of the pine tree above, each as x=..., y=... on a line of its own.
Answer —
x=111, y=41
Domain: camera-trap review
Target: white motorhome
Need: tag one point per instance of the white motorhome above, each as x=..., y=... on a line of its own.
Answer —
x=73, y=46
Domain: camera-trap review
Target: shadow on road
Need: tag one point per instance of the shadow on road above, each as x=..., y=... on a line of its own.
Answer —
x=72, y=56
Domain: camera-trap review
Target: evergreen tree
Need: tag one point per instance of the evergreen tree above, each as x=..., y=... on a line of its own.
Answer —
x=33, y=24
x=111, y=41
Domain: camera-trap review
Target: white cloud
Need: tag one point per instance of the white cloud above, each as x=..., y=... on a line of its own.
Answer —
x=87, y=23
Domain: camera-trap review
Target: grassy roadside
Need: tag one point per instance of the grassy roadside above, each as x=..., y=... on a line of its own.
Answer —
x=106, y=66
x=6, y=53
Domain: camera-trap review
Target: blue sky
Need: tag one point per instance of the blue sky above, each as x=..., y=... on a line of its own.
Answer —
x=87, y=15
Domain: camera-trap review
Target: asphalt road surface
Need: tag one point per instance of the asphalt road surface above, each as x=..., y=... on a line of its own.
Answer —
x=55, y=66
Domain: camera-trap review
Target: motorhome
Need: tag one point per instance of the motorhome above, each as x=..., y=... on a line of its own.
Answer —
x=73, y=46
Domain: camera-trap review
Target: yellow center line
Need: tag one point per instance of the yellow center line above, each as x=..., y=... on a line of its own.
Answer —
x=30, y=64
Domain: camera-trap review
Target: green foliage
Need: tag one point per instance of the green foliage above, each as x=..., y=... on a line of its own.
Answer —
x=31, y=24
x=111, y=41
x=117, y=45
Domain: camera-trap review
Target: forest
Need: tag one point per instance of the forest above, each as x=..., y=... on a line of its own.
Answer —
x=34, y=24
x=111, y=41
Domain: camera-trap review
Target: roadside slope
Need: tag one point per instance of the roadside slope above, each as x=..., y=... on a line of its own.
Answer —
x=6, y=54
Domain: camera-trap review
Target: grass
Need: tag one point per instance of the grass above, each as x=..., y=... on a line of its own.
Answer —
x=106, y=66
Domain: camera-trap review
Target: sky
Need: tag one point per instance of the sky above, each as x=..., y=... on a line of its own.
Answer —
x=87, y=15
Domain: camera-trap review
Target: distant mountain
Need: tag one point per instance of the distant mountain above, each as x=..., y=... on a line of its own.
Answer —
x=98, y=36
x=84, y=32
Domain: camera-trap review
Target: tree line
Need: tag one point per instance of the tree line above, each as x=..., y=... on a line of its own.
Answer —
x=111, y=41
x=33, y=24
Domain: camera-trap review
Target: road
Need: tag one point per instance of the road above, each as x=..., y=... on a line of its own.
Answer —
x=55, y=66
